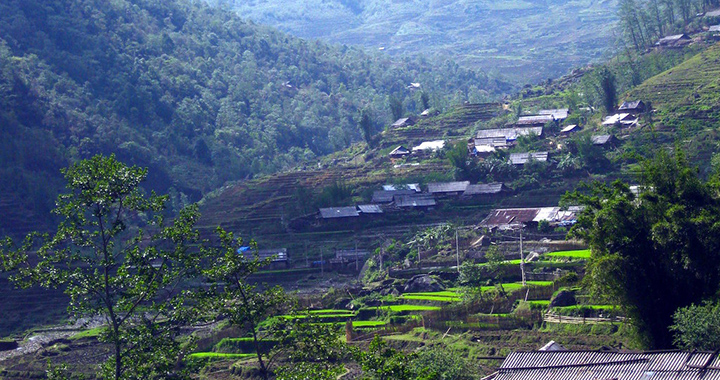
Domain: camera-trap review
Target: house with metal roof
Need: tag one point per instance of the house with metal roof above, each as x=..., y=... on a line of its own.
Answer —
x=674, y=41
x=523, y=158
x=535, y=120
x=278, y=256
x=485, y=189
x=429, y=146
x=559, y=114
x=339, y=212
x=570, y=129
x=608, y=365
x=448, y=188
x=509, y=134
x=635, y=106
x=386, y=196
x=370, y=209
x=403, y=122
x=414, y=201
x=603, y=140
x=399, y=152
x=622, y=119
x=405, y=186
x=509, y=218
x=714, y=31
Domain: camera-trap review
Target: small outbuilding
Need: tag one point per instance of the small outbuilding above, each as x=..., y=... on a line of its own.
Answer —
x=414, y=201
x=523, y=158
x=570, y=129
x=339, y=212
x=674, y=41
x=485, y=189
x=403, y=122
x=535, y=120
x=448, y=188
x=559, y=114
x=604, y=140
x=622, y=119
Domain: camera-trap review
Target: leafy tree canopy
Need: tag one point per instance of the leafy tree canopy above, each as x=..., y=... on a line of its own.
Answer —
x=655, y=252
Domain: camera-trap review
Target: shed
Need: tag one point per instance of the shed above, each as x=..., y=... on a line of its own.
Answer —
x=485, y=189
x=558, y=114
x=593, y=365
x=399, y=152
x=635, y=106
x=339, y=212
x=370, y=209
x=523, y=158
x=448, y=188
x=536, y=120
x=386, y=196
x=414, y=200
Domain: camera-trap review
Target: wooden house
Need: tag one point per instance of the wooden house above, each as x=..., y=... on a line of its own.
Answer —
x=634, y=107
x=534, y=120
x=674, y=41
x=422, y=201
x=399, y=152
x=605, y=141
x=448, y=188
x=558, y=114
x=403, y=122
x=339, y=212
x=485, y=190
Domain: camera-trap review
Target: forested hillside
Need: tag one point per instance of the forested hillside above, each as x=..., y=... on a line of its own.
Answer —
x=526, y=41
x=192, y=92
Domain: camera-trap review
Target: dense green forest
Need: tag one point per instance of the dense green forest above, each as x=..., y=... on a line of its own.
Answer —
x=525, y=41
x=196, y=94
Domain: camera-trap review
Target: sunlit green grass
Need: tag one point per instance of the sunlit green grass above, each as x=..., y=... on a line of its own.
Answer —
x=402, y=308
x=221, y=355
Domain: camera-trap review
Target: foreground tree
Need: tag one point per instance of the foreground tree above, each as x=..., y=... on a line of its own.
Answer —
x=240, y=301
x=132, y=277
x=654, y=253
x=697, y=327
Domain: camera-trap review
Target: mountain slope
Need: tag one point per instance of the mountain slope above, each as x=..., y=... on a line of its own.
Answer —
x=527, y=40
x=194, y=93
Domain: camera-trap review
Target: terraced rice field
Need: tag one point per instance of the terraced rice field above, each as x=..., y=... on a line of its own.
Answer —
x=578, y=254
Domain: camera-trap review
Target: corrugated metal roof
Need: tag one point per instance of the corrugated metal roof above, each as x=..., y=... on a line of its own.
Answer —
x=594, y=365
x=534, y=119
x=277, y=254
x=447, y=187
x=402, y=122
x=508, y=133
x=419, y=200
x=405, y=186
x=385, y=196
x=339, y=212
x=491, y=141
x=523, y=158
x=569, y=128
x=557, y=114
x=635, y=104
x=431, y=145
x=505, y=218
x=370, y=209
x=715, y=13
x=714, y=28
x=484, y=188
x=621, y=118
x=601, y=139
x=399, y=151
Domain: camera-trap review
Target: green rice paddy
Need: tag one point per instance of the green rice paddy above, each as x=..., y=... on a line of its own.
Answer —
x=577, y=254
x=219, y=355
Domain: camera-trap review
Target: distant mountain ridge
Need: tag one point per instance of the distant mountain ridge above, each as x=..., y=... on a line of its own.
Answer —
x=527, y=40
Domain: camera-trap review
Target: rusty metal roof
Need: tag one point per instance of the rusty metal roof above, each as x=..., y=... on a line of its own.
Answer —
x=339, y=212
x=594, y=365
x=508, y=217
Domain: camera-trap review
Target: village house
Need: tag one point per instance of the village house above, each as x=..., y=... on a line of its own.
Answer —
x=534, y=120
x=523, y=158
x=339, y=212
x=429, y=112
x=634, y=107
x=348, y=257
x=399, y=152
x=448, y=188
x=509, y=134
x=278, y=256
x=511, y=218
x=386, y=196
x=414, y=201
x=714, y=13
x=674, y=41
x=405, y=186
x=714, y=32
x=608, y=365
x=370, y=209
x=558, y=114
x=621, y=119
x=604, y=141
x=486, y=190
x=403, y=122
x=429, y=146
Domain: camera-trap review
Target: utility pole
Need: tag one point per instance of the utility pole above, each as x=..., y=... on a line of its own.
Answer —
x=356, y=257
x=322, y=264
x=307, y=263
x=419, y=260
x=457, y=250
x=522, y=257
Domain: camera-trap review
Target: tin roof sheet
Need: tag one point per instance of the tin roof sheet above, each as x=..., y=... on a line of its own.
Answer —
x=339, y=212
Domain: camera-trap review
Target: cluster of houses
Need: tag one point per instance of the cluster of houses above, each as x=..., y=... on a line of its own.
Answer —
x=626, y=115
x=402, y=197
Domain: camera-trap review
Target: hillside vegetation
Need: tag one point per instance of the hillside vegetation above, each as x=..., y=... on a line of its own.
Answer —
x=523, y=40
x=194, y=93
